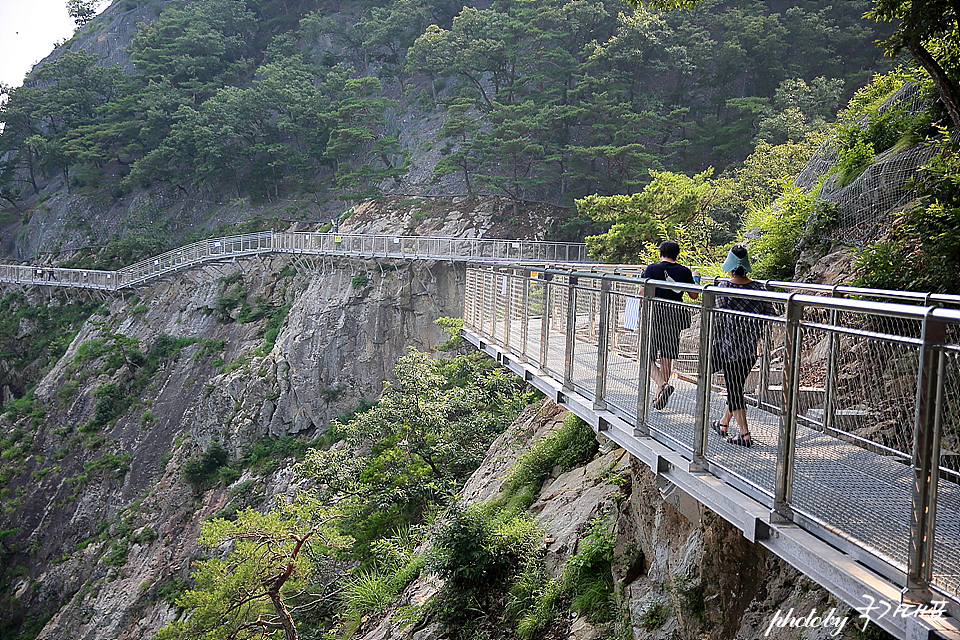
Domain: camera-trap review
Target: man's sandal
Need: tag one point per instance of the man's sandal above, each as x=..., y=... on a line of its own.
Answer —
x=719, y=428
x=744, y=440
x=660, y=401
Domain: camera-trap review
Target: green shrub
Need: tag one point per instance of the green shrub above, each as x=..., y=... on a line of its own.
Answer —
x=360, y=281
x=117, y=555
x=208, y=347
x=655, y=616
x=268, y=448
x=276, y=316
x=119, y=465
x=228, y=475
x=586, y=580
x=201, y=470
x=171, y=590
x=452, y=327
x=475, y=553
x=146, y=536
x=852, y=159
x=112, y=401
x=774, y=253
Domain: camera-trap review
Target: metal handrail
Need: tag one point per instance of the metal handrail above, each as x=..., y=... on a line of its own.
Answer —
x=557, y=320
x=914, y=297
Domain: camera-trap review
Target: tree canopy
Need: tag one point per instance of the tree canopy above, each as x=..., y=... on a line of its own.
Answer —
x=548, y=101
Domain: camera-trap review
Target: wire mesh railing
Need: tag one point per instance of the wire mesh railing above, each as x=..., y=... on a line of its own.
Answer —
x=852, y=406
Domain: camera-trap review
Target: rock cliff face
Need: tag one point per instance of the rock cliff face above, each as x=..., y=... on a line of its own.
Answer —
x=102, y=517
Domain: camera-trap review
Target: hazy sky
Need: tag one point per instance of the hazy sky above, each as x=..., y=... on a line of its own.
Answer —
x=28, y=29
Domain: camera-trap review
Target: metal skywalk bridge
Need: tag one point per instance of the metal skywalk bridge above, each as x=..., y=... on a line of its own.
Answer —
x=854, y=406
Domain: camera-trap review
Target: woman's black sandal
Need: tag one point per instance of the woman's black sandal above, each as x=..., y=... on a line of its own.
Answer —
x=743, y=440
x=719, y=428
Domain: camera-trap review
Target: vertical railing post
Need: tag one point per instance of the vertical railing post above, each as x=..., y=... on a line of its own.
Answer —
x=477, y=297
x=643, y=352
x=833, y=358
x=495, y=293
x=545, y=321
x=507, y=307
x=603, y=346
x=786, y=443
x=568, y=351
x=467, y=299
x=483, y=298
x=525, y=326
x=704, y=371
x=490, y=305
x=500, y=290
x=926, y=460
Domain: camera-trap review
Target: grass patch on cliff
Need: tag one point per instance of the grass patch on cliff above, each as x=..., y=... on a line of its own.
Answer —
x=572, y=445
x=202, y=469
x=275, y=316
x=117, y=352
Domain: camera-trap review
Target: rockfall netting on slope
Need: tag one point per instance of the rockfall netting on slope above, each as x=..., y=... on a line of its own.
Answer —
x=865, y=208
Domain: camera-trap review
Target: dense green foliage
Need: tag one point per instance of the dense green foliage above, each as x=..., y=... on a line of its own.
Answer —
x=409, y=454
x=537, y=97
x=491, y=555
x=704, y=214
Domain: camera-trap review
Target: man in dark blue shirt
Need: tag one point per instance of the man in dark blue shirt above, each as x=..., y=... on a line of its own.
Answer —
x=667, y=318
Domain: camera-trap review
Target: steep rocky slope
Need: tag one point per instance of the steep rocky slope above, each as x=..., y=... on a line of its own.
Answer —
x=97, y=513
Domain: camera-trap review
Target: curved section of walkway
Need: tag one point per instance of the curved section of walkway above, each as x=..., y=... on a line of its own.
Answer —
x=321, y=244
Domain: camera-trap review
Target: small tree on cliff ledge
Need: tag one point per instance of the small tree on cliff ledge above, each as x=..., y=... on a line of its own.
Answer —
x=266, y=574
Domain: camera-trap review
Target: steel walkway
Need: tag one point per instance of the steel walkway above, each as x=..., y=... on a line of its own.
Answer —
x=854, y=511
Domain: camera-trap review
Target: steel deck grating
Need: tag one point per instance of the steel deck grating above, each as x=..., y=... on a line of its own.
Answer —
x=855, y=493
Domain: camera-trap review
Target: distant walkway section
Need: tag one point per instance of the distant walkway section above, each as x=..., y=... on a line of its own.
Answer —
x=328, y=244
